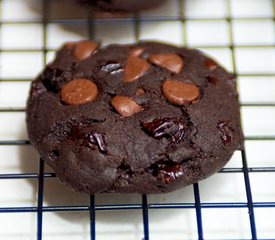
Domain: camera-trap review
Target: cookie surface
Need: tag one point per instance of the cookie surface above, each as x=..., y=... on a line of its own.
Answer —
x=122, y=5
x=145, y=118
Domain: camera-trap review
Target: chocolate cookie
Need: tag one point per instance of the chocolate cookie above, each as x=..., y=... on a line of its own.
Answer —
x=122, y=5
x=144, y=118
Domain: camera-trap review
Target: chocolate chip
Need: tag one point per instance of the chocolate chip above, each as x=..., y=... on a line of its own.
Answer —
x=180, y=93
x=136, y=52
x=211, y=64
x=84, y=49
x=69, y=45
x=171, y=62
x=135, y=68
x=169, y=174
x=139, y=92
x=225, y=132
x=171, y=128
x=125, y=106
x=112, y=68
x=79, y=91
x=52, y=78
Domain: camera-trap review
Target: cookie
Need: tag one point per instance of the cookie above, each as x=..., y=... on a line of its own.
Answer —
x=122, y=5
x=144, y=118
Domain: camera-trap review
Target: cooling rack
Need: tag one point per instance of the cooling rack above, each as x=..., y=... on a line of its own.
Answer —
x=236, y=203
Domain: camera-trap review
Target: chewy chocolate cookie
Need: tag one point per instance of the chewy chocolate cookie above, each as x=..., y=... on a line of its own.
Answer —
x=122, y=5
x=145, y=118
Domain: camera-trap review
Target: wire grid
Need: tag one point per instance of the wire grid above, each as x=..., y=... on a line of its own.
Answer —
x=144, y=205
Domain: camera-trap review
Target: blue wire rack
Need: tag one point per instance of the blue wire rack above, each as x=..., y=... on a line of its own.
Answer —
x=92, y=208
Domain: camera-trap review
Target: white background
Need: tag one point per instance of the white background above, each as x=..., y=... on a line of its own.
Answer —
x=212, y=26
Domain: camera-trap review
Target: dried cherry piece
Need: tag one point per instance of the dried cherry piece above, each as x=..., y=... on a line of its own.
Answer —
x=169, y=174
x=171, y=128
x=91, y=139
x=225, y=132
x=97, y=139
x=52, y=78
x=212, y=79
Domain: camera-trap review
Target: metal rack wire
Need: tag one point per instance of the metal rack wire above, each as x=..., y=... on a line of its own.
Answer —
x=144, y=206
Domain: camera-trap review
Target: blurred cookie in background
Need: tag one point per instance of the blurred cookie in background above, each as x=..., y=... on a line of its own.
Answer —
x=122, y=5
